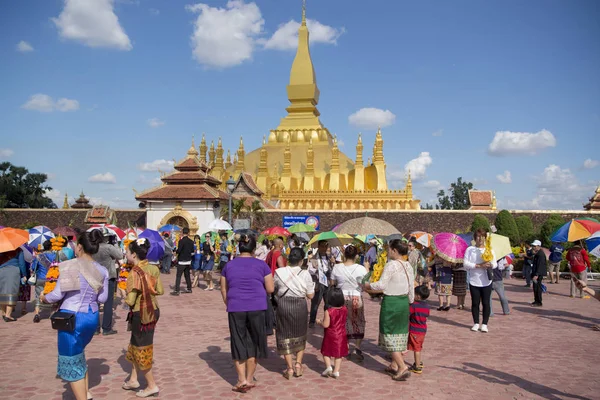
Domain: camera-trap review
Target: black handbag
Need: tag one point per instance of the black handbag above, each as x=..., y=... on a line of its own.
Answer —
x=63, y=321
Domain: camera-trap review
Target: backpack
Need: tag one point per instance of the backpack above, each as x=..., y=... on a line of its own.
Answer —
x=576, y=258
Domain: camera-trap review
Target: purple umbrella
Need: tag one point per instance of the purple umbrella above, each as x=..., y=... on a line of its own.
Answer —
x=157, y=244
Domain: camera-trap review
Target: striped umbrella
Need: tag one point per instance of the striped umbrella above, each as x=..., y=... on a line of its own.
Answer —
x=113, y=230
x=423, y=238
x=133, y=233
x=38, y=235
x=575, y=230
x=593, y=244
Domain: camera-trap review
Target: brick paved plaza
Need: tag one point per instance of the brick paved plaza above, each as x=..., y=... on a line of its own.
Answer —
x=548, y=352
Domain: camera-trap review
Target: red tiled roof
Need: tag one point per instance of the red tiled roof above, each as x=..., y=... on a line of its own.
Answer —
x=184, y=192
x=247, y=177
x=480, y=198
x=188, y=164
x=481, y=207
x=184, y=177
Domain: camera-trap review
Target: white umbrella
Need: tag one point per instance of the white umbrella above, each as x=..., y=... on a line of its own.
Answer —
x=219, y=225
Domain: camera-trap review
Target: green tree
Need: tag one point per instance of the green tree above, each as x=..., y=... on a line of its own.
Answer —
x=506, y=226
x=22, y=189
x=525, y=228
x=480, y=221
x=238, y=207
x=457, y=197
x=549, y=226
x=256, y=213
x=427, y=206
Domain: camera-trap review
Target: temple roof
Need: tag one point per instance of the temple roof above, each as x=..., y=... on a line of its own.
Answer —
x=481, y=199
x=594, y=203
x=183, y=192
x=82, y=202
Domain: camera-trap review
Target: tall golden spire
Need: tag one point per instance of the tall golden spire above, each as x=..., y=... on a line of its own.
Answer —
x=408, y=183
x=262, y=177
x=66, y=203
x=211, y=153
x=302, y=91
x=228, y=160
x=241, y=153
x=219, y=160
x=287, y=159
x=203, y=149
x=359, y=169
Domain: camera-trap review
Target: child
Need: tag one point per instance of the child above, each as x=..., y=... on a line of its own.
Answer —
x=335, y=342
x=419, y=311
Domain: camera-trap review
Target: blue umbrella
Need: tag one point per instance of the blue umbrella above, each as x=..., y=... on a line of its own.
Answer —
x=467, y=237
x=593, y=244
x=157, y=244
x=169, y=228
x=38, y=235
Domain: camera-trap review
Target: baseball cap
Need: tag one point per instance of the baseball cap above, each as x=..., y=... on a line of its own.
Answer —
x=536, y=243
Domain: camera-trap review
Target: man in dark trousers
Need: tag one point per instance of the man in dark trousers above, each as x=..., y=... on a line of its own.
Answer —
x=185, y=252
x=539, y=271
x=320, y=267
x=108, y=255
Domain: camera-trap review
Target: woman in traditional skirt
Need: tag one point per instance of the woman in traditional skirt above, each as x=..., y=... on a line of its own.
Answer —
x=443, y=283
x=348, y=277
x=397, y=285
x=245, y=283
x=208, y=262
x=459, y=285
x=293, y=286
x=81, y=285
x=12, y=271
x=143, y=285
x=40, y=266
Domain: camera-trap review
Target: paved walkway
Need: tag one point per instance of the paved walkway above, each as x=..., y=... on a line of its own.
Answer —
x=534, y=353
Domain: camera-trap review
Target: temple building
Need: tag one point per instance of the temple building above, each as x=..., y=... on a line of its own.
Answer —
x=482, y=200
x=594, y=203
x=81, y=203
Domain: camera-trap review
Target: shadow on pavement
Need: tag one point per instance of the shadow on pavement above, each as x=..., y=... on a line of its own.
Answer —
x=220, y=362
x=541, y=311
x=503, y=378
x=446, y=321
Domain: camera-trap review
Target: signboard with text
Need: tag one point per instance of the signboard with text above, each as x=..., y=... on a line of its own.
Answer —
x=241, y=224
x=313, y=220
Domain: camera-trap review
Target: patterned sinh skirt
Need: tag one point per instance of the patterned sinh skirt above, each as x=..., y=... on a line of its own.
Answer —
x=292, y=324
x=355, y=323
x=72, y=366
x=393, y=323
x=443, y=289
x=10, y=282
x=459, y=283
x=141, y=345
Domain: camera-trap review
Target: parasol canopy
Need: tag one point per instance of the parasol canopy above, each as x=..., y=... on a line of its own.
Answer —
x=449, y=247
x=593, y=244
x=109, y=230
x=575, y=230
x=366, y=226
x=65, y=231
x=157, y=244
x=169, y=228
x=500, y=246
x=300, y=227
x=276, y=231
x=423, y=238
x=133, y=233
x=11, y=239
x=219, y=225
x=38, y=235
x=334, y=239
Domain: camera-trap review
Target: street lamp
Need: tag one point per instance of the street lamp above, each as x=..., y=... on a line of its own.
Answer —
x=230, y=186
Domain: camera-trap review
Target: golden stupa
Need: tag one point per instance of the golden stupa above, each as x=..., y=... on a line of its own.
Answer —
x=299, y=166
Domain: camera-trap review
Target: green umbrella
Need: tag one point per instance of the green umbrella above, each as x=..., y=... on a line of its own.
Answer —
x=334, y=239
x=297, y=228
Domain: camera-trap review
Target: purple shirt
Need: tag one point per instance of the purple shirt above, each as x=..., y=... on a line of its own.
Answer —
x=72, y=299
x=246, y=284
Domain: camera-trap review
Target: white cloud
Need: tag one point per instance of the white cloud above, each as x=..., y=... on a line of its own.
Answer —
x=438, y=133
x=103, y=178
x=286, y=35
x=155, y=122
x=372, y=118
x=418, y=166
x=225, y=37
x=6, y=153
x=505, y=177
x=56, y=196
x=156, y=165
x=433, y=184
x=589, y=163
x=143, y=179
x=24, y=47
x=44, y=103
x=396, y=177
x=93, y=23
x=508, y=143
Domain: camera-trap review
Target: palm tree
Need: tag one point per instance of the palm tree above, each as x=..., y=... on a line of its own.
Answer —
x=238, y=207
x=255, y=212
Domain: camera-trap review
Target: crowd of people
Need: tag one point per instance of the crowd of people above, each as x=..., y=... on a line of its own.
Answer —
x=275, y=286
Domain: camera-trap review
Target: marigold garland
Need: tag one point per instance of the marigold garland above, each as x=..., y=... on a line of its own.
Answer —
x=378, y=268
x=51, y=277
x=123, y=275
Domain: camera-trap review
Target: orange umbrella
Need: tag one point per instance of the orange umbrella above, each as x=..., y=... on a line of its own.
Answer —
x=11, y=239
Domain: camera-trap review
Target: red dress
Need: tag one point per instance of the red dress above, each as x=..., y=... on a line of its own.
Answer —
x=335, y=341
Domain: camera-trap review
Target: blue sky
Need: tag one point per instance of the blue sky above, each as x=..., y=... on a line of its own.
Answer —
x=101, y=90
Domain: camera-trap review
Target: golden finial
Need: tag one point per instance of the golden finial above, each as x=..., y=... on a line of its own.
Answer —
x=359, y=137
x=303, y=12
x=241, y=142
x=219, y=143
x=66, y=202
x=264, y=139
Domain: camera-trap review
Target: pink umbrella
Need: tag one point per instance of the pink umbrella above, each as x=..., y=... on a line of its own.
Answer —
x=449, y=247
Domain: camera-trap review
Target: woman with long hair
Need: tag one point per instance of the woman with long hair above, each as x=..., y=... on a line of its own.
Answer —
x=81, y=285
x=208, y=261
x=143, y=285
x=293, y=285
x=245, y=283
x=347, y=277
x=397, y=285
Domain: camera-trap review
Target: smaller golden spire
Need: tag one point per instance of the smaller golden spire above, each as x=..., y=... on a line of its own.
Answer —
x=303, y=12
x=203, y=149
x=378, y=147
x=359, y=151
x=66, y=203
x=211, y=153
x=219, y=161
x=264, y=140
x=192, y=152
x=241, y=142
x=228, y=160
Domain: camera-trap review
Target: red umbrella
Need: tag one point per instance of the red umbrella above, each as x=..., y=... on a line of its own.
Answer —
x=112, y=229
x=276, y=231
x=65, y=231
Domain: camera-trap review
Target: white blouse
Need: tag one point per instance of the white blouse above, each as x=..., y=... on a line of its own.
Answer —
x=477, y=276
x=348, y=278
x=297, y=280
x=397, y=279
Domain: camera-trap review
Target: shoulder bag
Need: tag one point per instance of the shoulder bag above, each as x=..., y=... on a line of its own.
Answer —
x=274, y=297
x=65, y=320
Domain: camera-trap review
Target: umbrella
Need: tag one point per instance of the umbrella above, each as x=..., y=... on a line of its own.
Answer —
x=276, y=231
x=297, y=228
x=423, y=238
x=219, y=225
x=396, y=236
x=27, y=253
x=133, y=233
x=467, y=237
x=38, y=235
x=575, y=230
x=449, y=247
x=334, y=239
x=157, y=244
x=366, y=226
x=11, y=239
x=108, y=230
x=65, y=231
x=593, y=244
x=500, y=246
x=169, y=228
x=247, y=232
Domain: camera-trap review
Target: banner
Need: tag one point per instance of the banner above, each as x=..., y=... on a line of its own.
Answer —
x=313, y=220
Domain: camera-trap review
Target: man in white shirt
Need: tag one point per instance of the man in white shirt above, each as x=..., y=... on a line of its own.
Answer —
x=319, y=267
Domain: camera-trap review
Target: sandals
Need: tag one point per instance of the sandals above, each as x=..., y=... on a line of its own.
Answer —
x=288, y=373
x=391, y=371
x=359, y=354
x=402, y=376
x=241, y=388
x=298, y=372
x=147, y=393
x=128, y=386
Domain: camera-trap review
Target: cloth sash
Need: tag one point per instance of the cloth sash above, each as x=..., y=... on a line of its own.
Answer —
x=69, y=275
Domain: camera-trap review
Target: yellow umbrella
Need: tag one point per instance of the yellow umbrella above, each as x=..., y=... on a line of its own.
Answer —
x=334, y=239
x=500, y=246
